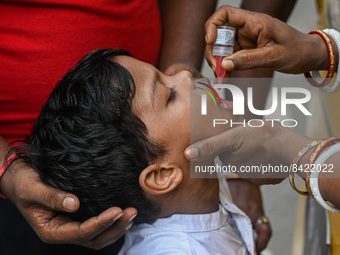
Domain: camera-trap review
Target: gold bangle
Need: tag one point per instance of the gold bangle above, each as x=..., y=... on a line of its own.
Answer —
x=296, y=161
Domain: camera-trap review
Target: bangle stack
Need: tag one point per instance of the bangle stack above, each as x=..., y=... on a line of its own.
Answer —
x=317, y=158
x=4, y=166
x=313, y=75
x=296, y=162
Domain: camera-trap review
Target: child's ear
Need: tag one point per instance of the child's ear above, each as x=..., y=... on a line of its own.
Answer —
x=157, y=180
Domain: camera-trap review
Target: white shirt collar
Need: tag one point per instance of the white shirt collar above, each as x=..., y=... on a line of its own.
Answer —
x=193, y=222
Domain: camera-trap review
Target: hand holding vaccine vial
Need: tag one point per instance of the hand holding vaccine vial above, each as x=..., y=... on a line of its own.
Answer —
x=223, y=47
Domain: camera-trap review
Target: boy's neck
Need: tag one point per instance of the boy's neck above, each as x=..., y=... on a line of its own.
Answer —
x=204, y=197
x=194, y=196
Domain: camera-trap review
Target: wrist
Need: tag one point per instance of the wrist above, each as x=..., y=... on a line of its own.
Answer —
x=4, y=166
x=5, y=181
x=320, y=53
x=286, y=144
x=7, y=184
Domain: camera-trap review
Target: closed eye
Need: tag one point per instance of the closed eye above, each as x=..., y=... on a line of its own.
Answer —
x=172, y=95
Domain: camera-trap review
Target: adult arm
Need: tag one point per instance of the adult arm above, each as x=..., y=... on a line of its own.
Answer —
x=269, y=144
x=183, y=34
x=39, y=202
x=280, y=9
x=267, y=42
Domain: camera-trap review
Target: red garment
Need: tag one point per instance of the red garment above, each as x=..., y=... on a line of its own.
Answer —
x=40, y=40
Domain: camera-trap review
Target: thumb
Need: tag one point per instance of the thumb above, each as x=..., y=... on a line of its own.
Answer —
x=211, y=147
x=247, y=59
x=55, y=199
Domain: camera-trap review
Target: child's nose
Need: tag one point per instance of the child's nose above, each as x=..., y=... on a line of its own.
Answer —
x=185, y=74
x=185, y=79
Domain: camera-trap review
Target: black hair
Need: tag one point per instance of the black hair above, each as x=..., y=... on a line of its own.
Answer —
x=87, y=140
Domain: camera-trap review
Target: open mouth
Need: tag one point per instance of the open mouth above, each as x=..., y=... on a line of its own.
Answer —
x=221, y=102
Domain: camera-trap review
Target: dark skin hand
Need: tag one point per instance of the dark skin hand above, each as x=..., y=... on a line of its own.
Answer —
x=266, y=145
x=264, y=41
x=39, y=204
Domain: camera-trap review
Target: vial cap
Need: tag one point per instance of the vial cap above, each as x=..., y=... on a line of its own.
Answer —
x=225, y=36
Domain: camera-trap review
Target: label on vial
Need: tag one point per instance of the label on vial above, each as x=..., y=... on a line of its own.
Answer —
x=225, y=37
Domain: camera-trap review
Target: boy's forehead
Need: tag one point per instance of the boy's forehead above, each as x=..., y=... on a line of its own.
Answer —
x=134, y=66
x=141, y=72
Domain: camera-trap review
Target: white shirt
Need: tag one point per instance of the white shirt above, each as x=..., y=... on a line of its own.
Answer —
x=201, y=234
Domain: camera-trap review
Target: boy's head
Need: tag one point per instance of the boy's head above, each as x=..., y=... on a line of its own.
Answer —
x=113, y=132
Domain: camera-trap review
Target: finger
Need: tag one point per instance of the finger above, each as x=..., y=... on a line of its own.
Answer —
x=110, y=241
x=93, y=229
x=52, y=198
x=211, y=60
x=219, y=18
x=209, y=148
x=224, y=15
x=33, y=190
x=264, y=233
x=114, y=232
x=66, y=231
x=227, y=14
x=248, y=59
x=99, y=246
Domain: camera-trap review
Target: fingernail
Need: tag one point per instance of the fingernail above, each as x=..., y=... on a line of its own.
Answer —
x=129, y=226
x=207, y=38
x=133, y=216
x=69, y=203
x=228, y=64
x=191, y=153
x=118, y=216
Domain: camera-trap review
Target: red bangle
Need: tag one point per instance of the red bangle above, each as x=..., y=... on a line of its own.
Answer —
x=331, y=58
x=4, y=166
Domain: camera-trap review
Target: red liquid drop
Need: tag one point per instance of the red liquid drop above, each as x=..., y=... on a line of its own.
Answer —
x=219, y=71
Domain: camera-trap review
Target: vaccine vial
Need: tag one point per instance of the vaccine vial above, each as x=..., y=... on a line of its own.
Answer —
x=223, y=47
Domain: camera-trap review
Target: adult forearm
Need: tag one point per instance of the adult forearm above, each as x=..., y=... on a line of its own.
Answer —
x=329, y=179
x=280, y=9
x=183, y=31
x=329, y=183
